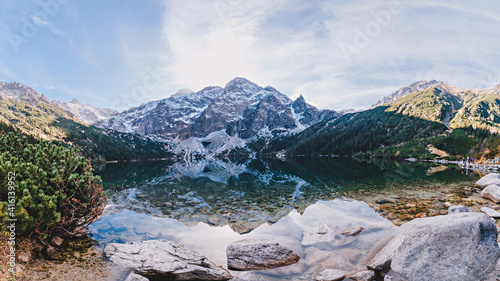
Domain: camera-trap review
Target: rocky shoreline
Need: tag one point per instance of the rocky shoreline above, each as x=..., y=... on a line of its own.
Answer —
x=484, y=168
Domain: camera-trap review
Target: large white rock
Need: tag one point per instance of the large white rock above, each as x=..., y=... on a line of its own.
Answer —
x=455, y=247
x=491, y=192
x=258, y=254
x=492, y=178
x=164, y=259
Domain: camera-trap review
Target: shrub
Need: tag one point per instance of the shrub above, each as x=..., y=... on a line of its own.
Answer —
x=55, y=190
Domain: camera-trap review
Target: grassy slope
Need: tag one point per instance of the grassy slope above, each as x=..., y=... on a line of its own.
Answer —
x=360, y=132
x=402, y=128
x=482, y=112
x=429, y=104
x=50, y=122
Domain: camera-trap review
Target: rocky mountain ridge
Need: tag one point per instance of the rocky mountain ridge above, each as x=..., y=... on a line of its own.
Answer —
x=33, y=114
x=86, y=113
x=445, y=87
x=242, y=110
x=20, y=92
x=458, y=120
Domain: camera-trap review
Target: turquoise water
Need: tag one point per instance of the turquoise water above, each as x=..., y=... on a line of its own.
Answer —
x=205, y=205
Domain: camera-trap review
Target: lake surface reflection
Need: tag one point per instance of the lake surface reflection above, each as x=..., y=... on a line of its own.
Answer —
x=206, y=205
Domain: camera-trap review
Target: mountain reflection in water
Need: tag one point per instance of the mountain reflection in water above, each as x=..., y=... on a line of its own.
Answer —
x=246, y=195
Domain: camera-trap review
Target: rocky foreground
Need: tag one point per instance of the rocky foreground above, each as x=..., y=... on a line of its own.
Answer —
x=461, y=245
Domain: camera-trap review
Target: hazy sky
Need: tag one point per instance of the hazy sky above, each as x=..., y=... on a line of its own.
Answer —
x=337, y=54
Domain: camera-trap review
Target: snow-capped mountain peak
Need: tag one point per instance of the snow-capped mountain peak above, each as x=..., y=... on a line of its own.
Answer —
x=235, y=113
x=241, y=85
x=87, y=113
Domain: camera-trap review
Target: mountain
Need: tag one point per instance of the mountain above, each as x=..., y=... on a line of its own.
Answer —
x=87, y=113
x=20, y=92
x=404, y=91
x=34, y=114
x=405, y=123
x=242, y=110
x=476, y=108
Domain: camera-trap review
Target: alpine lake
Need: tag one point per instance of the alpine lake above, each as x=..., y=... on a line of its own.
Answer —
x=207, y=204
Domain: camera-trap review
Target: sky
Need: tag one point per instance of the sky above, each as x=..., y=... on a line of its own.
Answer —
x=337, y=54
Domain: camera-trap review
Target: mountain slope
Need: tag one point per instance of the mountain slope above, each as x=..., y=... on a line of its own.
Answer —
x=359, y=132
x=479, y=112
x=410, y=121
x=33, y=114
x=87, y=113
x=476, y=108
x=404, y=91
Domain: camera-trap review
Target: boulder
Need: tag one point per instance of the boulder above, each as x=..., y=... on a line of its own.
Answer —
x=162, y=259
x=331, y=275
x=454, y=247
x=258, y=255
x=490, y=212
x=489, y=179
x=458, y=209
x=136, y=277
x=365, y=275
x=491, y=192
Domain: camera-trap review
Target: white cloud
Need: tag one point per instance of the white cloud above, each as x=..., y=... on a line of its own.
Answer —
x=212, y=42
x=455, y=42
x=292, y=45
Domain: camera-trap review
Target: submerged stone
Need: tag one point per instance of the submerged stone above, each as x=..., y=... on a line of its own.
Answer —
x=458, y=209
x=331, y=275
x=365, y=275
x=353, y=231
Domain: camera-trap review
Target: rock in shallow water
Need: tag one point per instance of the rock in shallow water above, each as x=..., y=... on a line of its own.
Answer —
x=353, y=231
x=458, y=209
x=258, y=255
x=490, y=212
x=164, y=259
x=456, y=247
x=492, y=192
x=331, y=275
x=492, y=178
x=365, y=275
